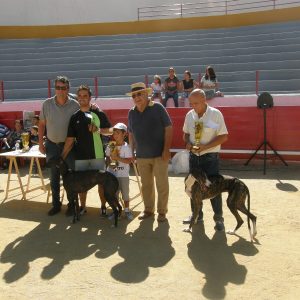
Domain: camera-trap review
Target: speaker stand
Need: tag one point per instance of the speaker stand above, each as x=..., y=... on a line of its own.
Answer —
x=265, y=143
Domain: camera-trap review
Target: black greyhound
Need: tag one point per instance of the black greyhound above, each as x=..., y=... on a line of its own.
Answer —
x=82, y=181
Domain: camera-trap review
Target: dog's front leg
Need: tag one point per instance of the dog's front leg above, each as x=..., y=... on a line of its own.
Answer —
x=75, y=205
x=196, y=204
x=77, y=209
x=116, y=215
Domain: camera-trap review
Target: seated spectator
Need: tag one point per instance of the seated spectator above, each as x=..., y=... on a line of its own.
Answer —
x=14, y=136
x=35, y=120
x=209, y=84
x=4, y=132
x=34, y=138
x=157, y=88
x=187, y=84
x=171, y=87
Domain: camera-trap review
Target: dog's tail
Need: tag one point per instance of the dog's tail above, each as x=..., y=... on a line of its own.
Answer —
x=248, y=208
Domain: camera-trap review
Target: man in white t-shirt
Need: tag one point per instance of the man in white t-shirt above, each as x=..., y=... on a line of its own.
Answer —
x=204, y=131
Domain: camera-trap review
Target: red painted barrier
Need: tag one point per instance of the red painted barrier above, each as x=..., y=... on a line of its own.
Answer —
x=243, y=119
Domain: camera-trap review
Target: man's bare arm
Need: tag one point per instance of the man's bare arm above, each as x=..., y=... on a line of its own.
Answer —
x=166, y=155
x=187, y=142
x=69, y=142
x=106, y=131
x=41, y=133
x=131, y=143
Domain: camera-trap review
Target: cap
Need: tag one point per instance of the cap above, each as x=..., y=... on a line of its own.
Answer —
x=120, y=126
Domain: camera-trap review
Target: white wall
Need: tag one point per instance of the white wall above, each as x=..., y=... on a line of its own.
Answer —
x=58, y=12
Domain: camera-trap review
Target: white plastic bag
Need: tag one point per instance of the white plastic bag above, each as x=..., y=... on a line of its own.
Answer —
x=180, y=162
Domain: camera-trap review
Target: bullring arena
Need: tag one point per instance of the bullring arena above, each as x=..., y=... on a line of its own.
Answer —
x=254, y=48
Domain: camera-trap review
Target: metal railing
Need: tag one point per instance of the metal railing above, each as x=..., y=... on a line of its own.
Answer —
x=95, y=86
x=211, y=8
x=1, y=91
x=254, y=82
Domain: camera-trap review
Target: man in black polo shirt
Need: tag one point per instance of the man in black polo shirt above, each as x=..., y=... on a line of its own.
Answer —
x=150, y=134
x=87, y=143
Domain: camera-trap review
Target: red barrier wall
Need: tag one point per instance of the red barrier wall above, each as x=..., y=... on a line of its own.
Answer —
x=244, y=124
x=243, y=119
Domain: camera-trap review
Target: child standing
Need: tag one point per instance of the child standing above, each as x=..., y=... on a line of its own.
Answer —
x=121, y=157
x=157, y=88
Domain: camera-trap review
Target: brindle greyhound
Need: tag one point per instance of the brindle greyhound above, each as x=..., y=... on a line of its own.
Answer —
x=199, y=187
x=79, y=182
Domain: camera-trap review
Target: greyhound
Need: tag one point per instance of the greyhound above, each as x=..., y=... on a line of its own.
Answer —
x=82, y=181
x=199, y=187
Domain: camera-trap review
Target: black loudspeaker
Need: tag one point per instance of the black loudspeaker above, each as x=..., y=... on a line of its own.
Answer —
x=265, y=100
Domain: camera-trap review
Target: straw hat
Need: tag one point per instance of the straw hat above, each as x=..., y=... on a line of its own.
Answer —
x=139, y=87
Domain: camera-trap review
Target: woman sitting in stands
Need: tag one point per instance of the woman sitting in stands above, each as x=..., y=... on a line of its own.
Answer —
x=187, y=84
x=172, y=86
x=209, y=84
x=156, y=88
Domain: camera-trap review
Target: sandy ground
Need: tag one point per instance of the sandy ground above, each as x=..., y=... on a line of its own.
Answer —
x=49, y=258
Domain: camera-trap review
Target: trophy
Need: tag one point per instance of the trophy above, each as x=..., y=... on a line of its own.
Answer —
x=198, y=133
x=25, y=141
x=113, y=150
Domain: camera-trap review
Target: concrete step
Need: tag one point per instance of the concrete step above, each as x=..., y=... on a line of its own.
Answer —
x=279, y=28
x=152, y=56
x=235, y=54
x=165, y=63
x=198, y=46
x=186, y=40
x=289, y=86
x=141, y=71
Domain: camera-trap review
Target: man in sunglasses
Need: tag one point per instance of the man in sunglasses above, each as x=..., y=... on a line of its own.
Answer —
x=150, y=135
x=55, y=116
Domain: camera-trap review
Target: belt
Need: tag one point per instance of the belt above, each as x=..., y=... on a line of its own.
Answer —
x=60, y=143
x=206, y=154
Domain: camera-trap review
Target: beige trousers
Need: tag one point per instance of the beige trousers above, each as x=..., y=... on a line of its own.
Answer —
x=150, y=169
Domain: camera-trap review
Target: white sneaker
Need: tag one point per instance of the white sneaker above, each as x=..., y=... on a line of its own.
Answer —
x=111, y=216
x=129, y=215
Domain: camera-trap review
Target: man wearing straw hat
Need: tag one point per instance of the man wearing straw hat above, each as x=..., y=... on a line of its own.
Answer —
x=150, y=135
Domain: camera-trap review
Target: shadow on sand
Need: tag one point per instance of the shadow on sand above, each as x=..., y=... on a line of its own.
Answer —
x=142, y=249
x=215, y=259
x=55, y=238
x=61, y=241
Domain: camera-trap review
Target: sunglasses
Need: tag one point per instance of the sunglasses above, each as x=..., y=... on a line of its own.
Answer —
x=61, y=88
x=136, y=95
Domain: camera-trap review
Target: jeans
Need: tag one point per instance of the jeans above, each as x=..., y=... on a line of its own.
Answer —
x=209, y=163
x=174, y=96
x=53, y=154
